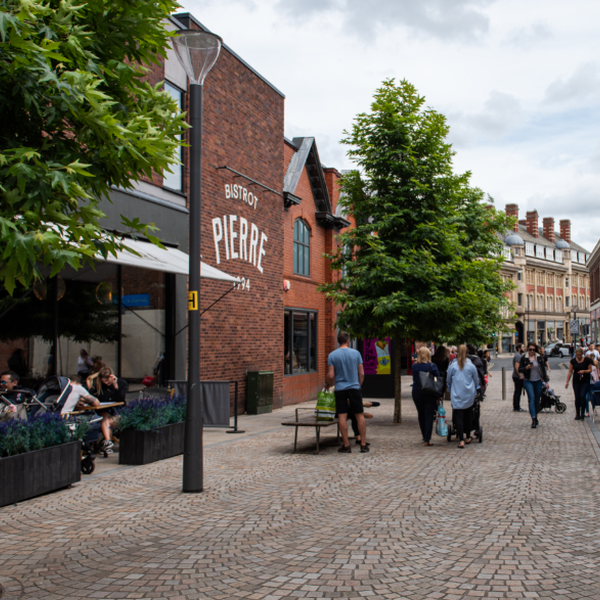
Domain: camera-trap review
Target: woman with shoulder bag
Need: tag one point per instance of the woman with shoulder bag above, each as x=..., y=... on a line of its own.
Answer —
x=425, y=404
x=533, y=368
x=463, y=381
x=580, y=369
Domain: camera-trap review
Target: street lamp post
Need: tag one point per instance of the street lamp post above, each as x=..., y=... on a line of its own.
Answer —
x=197, y=51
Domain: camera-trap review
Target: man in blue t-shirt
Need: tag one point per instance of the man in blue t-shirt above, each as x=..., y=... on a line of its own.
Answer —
x=346, y=372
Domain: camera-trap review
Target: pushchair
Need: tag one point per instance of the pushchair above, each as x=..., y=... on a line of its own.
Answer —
x=548, y=399
x=476, y=426
x=51, y=397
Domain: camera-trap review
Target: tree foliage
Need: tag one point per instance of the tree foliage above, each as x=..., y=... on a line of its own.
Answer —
x=78, y=116
x=423, y=261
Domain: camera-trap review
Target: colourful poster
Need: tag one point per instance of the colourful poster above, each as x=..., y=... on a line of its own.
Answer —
x=376, y=357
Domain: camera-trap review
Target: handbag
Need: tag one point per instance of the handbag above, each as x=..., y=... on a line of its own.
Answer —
x=430, y=385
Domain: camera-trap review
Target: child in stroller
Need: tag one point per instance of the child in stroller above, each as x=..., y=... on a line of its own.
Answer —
x=549, y=399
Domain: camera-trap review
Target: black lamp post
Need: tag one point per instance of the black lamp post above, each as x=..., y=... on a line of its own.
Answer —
x=197, y=51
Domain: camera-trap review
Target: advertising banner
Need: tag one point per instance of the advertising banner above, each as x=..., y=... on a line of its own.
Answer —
x=376, y=357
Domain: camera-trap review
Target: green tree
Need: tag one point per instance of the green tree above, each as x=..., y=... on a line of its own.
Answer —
x=423, y=261
x=78, y=116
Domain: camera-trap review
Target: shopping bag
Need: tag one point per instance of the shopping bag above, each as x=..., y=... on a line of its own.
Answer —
x=325, y=409
x=441, y=427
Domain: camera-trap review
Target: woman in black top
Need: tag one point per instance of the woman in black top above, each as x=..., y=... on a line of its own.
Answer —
x=580, y=369
x=533, y=368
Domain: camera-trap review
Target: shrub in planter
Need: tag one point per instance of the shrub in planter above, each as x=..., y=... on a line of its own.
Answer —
x=147, y=414
x=38, y=456
x=38, y=432
x=152, y=430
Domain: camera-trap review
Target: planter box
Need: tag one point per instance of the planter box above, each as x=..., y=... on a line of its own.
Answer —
x=34, y=473
x=143, y=447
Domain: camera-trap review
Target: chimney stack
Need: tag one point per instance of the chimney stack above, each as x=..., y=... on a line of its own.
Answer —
x=532, y=223
x=565, y=230
x=549, y=228
x=512, y=210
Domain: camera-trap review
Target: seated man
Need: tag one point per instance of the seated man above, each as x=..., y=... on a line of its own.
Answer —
x=10, y=389
x=78, y=397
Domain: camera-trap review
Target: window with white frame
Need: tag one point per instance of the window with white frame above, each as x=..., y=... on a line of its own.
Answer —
x=529, y=249
x=539, y=251
x=174, y=180
x=520, y=276
x=581, y=258
x=549, y=253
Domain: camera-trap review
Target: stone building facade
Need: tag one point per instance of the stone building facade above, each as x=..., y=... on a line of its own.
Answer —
x=551, y=277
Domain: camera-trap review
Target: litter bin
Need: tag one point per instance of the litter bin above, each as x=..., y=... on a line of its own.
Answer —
x=259, y=392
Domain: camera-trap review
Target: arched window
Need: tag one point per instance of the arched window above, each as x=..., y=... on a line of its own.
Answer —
x=301, y=248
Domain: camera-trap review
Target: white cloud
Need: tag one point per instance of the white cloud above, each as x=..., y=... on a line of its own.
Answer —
x=584, y=82
x=445, y=19
x=529, y=36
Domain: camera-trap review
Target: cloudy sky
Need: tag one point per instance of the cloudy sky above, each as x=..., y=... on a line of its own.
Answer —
x=518, y=81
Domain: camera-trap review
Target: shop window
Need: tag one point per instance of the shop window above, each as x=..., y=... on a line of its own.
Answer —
x=301, y=248
x=300, y=342
x=174, y=180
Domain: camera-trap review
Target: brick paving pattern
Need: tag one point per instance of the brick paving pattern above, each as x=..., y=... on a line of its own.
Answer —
x=514, y=517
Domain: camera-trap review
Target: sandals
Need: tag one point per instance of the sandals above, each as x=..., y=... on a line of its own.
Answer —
x=468, y=440
x=461, y=445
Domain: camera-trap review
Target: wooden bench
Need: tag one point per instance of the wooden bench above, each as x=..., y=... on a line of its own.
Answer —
x=310, y=422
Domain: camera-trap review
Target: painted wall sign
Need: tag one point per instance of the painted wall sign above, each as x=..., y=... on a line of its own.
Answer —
x=376, y=357
x=239, y=192
x=236, y=238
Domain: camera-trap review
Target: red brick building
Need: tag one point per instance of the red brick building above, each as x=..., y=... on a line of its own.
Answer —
x=264, y=199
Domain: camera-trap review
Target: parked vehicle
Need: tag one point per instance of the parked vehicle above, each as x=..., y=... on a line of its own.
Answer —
x=557, y=349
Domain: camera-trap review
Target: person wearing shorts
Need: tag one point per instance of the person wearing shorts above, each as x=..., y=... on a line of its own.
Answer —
x=346, y=372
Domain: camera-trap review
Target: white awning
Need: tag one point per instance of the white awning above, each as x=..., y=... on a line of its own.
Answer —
x=169, y=260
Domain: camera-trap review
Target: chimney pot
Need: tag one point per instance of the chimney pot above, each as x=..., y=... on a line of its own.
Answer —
x=549, y=228
x=565, y=230
x=512, y=210
x=531, y=216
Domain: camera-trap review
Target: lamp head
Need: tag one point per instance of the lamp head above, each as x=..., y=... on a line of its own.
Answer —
x=197, y=52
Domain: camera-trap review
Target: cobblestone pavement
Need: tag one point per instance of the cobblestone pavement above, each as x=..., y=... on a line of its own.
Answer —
x=514, y=517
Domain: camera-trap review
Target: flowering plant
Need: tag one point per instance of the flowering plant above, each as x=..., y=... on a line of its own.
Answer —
x=147, y=414
x=39, y=431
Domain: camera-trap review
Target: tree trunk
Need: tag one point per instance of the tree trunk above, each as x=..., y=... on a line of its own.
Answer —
x=398, y=341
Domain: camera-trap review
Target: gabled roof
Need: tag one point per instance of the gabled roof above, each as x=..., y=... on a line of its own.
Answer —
x=307, y=157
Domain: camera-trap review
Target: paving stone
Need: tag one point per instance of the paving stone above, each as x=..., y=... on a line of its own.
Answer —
x=514, y=517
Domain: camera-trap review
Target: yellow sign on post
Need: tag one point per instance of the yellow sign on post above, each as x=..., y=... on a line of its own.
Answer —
x=192, y=300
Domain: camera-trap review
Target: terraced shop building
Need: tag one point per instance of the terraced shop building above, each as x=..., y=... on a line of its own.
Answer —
x=552, y=281
x=268, y=214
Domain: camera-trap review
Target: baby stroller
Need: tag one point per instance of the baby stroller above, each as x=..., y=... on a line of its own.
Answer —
x=548, y=399
x=476, y=426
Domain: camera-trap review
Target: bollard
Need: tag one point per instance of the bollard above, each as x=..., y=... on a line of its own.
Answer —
x=503, y=383
x=235, y=415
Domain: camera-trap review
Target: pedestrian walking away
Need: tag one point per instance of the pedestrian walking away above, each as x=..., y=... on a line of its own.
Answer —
x=533, y=368
x=580, y=369
x=462, y=381
x=517, y=377
x=346, y=372
x=426, y=405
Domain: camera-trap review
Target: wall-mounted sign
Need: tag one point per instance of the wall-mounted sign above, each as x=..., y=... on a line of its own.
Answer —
x=192, y=300
x=136, y=300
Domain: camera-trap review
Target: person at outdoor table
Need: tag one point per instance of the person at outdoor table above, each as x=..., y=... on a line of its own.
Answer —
x=533, y=369
x=108, y=388
x=426, y=405
x=84, y=364
x=462, y=382
x=10, y=389
x=580, y=369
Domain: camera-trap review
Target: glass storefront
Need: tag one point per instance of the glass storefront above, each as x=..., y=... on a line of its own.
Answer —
x=132, y=341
